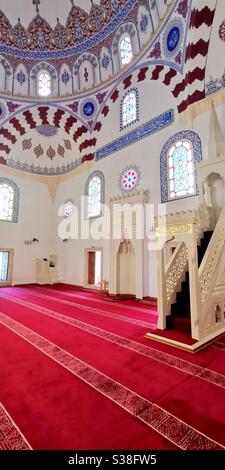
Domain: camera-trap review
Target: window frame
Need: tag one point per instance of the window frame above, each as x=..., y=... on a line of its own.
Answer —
x=51, y=84
x=125, y=97
x=68, y=201
x=10, y=266
x=16, y=198
x=100, y=175
x=195, y=143
x=187, y=194
x=123, y=37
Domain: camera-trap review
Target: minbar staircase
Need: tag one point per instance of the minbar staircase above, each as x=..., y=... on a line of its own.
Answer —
x=180, y=319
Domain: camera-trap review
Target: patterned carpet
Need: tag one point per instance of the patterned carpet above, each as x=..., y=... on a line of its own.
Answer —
x=77, y=373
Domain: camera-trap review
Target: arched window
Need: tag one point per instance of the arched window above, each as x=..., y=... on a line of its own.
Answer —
x=95, y=193
x=9, y=200
x=125, y=49
x=129, y=108
x=181, y=170
x=44, y=83
x=178, y=170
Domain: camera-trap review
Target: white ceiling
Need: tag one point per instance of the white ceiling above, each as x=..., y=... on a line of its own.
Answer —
x=49, y=9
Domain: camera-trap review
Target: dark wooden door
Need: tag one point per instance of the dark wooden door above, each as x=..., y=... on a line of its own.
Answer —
x=91, y=267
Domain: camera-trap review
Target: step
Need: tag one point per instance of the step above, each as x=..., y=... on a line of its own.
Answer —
x=185, y=286
x=181, y=309
x=183, y=297
x=203, y=245
x=171, y=337
x=181, y=324
x=149, y=301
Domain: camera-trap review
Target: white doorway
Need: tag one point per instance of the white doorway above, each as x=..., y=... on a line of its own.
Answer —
x=6, y=258
x=93, y=265
x=98, y=267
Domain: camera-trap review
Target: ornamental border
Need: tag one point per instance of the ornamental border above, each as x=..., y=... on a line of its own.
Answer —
x=149, y=128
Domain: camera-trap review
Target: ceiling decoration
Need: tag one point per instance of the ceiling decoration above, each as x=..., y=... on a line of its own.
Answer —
x=47, y=130
x=215, y=84
x=75, y=67
x=26, y=144
x=38, y=150
x=74, y=124
x=222, y=31
x=81, y=31
x=171, y=42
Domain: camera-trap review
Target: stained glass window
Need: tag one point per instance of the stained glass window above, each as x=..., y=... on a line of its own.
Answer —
x=6, y=202
x=130, y=178
x=4, y=264
x=44, y=84
x=181, y=174
x=68, y=208
x=95, y=194
x=94, y=197
x=129, y=109
x=126, y=52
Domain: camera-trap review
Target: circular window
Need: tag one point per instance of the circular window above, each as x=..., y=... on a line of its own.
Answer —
x=130, y=178
x=68, y=208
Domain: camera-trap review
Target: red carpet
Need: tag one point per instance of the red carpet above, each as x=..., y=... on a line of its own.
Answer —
x=80, y=375
x=174, y=335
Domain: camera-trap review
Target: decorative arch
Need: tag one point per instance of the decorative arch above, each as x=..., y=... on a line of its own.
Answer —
x=97, y=177
x=196, y=148
x=15, y=201
x=126, y=29
x=65, y=80
x=20, y=83
x=6, y=73
x=91, y=72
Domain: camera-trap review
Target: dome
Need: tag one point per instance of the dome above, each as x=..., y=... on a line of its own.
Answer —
x=78, y=44
x=62, y=95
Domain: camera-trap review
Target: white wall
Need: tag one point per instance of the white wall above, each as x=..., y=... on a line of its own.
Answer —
x=34, y=221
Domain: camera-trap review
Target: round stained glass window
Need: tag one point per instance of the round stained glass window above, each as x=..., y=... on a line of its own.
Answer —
x=68, y=208
x=129, y=179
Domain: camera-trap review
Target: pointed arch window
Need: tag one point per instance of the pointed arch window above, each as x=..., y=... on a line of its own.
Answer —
x=181, y=170
x=44, y=84
x=129, y=112
x=9, y=200
x=178, y=166
x=125, y=49
x=95, y=193
x=129, y=108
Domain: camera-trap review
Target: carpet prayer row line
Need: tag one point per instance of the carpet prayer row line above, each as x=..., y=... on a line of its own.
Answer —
x=69, y=379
